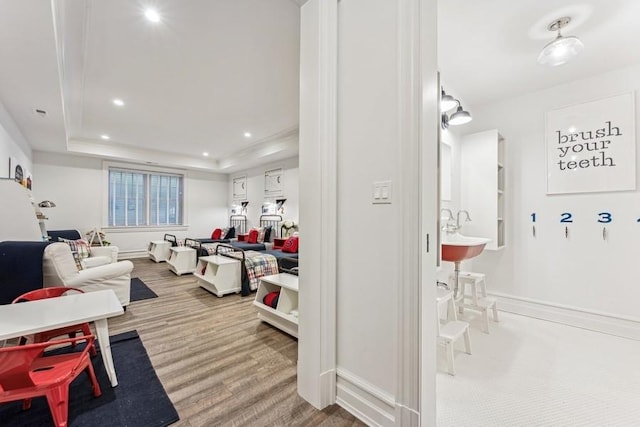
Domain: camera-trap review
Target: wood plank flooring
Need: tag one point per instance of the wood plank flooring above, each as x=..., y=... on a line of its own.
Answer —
x=219, y=364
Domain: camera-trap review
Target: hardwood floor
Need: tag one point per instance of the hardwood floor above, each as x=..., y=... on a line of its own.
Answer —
x=218, y=363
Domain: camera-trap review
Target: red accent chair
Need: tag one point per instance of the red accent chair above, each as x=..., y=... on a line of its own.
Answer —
x=26, y=373
x=68, y=330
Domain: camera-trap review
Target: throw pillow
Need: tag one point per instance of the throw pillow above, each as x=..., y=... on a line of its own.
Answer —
x=230, y=234
x=261, y=231
x=216, y=235
x=291, y=245
x=224, y=233
x=78, y=261
x=80, y=246
x=253, y=236
x=267, y=234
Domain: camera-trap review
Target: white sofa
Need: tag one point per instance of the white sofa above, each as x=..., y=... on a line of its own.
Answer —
x=59, y=269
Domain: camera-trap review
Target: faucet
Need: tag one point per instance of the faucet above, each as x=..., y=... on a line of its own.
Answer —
x=458, y=226
x=448, y=226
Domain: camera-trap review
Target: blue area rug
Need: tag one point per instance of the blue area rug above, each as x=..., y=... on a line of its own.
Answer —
x=140, y=290
x=138, y=400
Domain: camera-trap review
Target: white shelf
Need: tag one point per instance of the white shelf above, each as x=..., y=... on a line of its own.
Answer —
x=282, y=316
x=218, y=274
x=159, y=250
x=182, y=260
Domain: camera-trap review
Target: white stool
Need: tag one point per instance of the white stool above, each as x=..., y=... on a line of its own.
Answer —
x=452, y=330
x=477, y=299
x=182, y=260
x=159, y=250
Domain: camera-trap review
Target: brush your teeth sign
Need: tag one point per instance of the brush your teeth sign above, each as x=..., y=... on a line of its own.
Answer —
x=592, y=146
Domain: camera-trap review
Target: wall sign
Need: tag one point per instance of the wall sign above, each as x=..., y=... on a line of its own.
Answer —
x=591, y=146
x=240, y=188
x=273, y=182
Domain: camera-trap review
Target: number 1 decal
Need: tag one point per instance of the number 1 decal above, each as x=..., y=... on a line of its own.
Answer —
x=533, y=217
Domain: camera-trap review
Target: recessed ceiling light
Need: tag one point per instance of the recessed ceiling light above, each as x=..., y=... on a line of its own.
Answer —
x=152, y=15
x=119, y=102
x=205, y=154
x=247, y=134
x=105, y=137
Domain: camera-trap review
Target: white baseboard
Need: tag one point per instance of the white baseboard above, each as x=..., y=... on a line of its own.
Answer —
x=370, y=404
x=142, y=253
x=626, y=327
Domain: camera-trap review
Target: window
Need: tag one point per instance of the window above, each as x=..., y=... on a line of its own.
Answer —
x=142, y=198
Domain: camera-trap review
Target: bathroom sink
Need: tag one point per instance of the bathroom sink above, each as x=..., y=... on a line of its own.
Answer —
x=456, y=247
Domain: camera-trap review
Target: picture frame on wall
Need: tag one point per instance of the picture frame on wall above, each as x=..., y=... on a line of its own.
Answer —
x=591, y=146
x=240, y=187
x=273, y=182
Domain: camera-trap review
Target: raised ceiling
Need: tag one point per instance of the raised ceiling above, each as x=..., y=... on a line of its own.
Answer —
x=194, y=82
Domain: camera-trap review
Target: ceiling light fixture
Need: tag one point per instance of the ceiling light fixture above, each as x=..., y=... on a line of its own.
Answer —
x=562, y=49
x=447, y=102
x=105, y=137
x=118, y=102
x=460, y=117
x=247, y=134
x=152, y=15
x=205, y=154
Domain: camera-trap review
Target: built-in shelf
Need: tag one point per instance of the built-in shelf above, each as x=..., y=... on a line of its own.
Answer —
x=483, y=186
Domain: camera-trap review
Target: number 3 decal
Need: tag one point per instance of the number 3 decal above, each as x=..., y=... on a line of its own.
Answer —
x=604, y=217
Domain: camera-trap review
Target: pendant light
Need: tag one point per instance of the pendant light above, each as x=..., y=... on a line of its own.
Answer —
x=460, y=117
x=562, y=49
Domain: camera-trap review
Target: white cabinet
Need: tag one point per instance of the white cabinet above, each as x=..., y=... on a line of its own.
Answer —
x=219, y=274
x=483, y=186
x=159, y=250
x=20, y=217
x=182, y=260
x=285, y=315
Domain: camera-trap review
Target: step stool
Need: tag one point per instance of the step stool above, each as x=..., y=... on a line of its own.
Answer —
x=452, y=329
x=477, y=299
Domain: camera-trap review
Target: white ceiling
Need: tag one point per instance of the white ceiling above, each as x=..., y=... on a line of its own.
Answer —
x=488, y=49
x=210, y=71
x=213, y=69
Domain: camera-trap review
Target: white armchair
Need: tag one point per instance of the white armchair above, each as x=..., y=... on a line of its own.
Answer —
x=101, y=255
x=59, y=269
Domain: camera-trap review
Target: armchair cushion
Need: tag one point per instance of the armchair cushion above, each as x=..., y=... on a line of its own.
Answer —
x=59, y=269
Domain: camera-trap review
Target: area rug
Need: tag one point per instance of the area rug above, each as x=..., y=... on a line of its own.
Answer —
x=138, y=400
x=140, y=290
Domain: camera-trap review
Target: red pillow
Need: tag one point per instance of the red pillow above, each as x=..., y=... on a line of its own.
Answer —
x=253, y=236
x=291, y=245
x=217, y=234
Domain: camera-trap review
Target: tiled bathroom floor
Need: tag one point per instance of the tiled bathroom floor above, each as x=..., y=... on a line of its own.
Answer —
x=530, y=372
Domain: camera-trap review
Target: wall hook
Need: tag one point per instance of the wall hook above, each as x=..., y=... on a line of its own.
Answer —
x=566, y=232
x=604, y=233
x=533, y=230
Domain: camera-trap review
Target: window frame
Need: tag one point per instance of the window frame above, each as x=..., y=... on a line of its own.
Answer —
x=145, y=169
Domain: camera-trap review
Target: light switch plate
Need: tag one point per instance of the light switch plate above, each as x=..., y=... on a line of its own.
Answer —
x=381, y=192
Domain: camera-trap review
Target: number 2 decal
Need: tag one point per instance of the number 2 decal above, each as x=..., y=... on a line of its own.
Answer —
x=604, y=217
x=566, y=217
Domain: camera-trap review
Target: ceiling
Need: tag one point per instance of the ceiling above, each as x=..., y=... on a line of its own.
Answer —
x=488, y=49
x=194, y=82
x=212, y=70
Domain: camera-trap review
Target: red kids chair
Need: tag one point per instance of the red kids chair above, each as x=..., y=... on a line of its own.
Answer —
x=67, y=330
x=26, y=373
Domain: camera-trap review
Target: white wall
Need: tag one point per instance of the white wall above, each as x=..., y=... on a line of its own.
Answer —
x=583, y=271
x=368, y=262
x=255, y=190
x=14, y=146
x=77, y=186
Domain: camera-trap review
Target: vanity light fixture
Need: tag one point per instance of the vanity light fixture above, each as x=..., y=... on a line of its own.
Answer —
x=460, y=117
x=562, y=49
x=447, y=102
